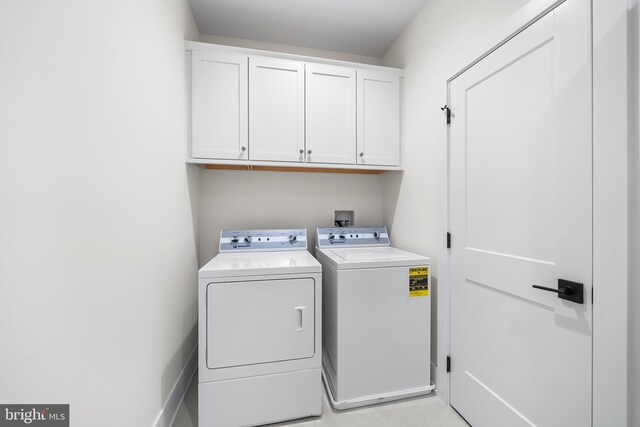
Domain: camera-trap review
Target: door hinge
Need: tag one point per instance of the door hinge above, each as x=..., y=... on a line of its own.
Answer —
x=448, y=363
x=448, y=240
x=591, y=294
x=447, y=111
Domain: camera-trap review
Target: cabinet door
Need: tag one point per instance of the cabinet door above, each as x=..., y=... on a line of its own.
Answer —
x=276, y=110
x=219, y=127
x=378, y=118
x=330, y=114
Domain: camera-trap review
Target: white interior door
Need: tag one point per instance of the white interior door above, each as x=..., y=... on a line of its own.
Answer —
x=521, y=215
x=276, y=110
x=330, y=114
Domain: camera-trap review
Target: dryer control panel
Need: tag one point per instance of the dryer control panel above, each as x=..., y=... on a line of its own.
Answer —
x=332, y=237
x=263, y=240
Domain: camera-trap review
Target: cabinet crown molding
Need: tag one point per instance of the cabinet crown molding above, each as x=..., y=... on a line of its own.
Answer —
x=192, y=46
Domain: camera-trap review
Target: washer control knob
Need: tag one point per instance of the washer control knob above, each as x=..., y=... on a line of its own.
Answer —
x=376, y=235
x=331, y=236
x=247, y=239
x=293, y=238
x=342, y=237
x=234, y=240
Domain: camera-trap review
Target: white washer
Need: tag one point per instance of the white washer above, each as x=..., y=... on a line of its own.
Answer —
x=259, y=330
x=376, y=318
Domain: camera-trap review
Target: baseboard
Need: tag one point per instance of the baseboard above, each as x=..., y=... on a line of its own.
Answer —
x=176, y=396
x=433, y=369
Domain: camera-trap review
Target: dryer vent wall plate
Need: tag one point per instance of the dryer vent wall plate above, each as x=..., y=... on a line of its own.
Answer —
x=328, y=237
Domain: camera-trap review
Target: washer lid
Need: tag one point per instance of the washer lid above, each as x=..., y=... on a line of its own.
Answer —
x=259, y=263
x=372, y=257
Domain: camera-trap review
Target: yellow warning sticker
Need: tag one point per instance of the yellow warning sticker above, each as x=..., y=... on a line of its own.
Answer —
x=419, y=281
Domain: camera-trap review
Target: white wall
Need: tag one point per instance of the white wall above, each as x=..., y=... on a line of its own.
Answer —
x=244, y=199
x=634, y=216
x=97, y=248
x=434, y=41
x=633, y=305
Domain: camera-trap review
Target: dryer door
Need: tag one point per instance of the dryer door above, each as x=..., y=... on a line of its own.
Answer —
x=260, y=321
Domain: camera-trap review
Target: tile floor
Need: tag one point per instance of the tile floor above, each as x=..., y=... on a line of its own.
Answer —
x=427, y=411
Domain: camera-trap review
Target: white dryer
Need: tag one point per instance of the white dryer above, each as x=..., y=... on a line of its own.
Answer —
x=376, y=318
x=259, y=330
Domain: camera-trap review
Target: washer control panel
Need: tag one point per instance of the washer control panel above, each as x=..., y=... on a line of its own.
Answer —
x=332, y=237
x=263, y=240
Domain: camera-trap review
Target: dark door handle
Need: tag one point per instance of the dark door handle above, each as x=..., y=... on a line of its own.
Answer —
x=568, y=290
x=563, y=291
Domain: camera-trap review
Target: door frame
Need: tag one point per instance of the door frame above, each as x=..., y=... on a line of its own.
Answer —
x=610, y=100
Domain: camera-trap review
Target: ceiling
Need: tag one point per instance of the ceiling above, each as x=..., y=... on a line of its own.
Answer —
x=362, y=27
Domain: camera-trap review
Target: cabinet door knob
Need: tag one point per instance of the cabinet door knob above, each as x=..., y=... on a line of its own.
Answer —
x=361, y=154
x=308, y=151
x=244, y=148
x=301, y=151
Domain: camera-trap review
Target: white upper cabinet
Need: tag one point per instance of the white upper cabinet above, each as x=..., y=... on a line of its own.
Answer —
x=254, y=108
x=330, y=114
x=378, y=118
x=219, y=126
x=276, y=110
